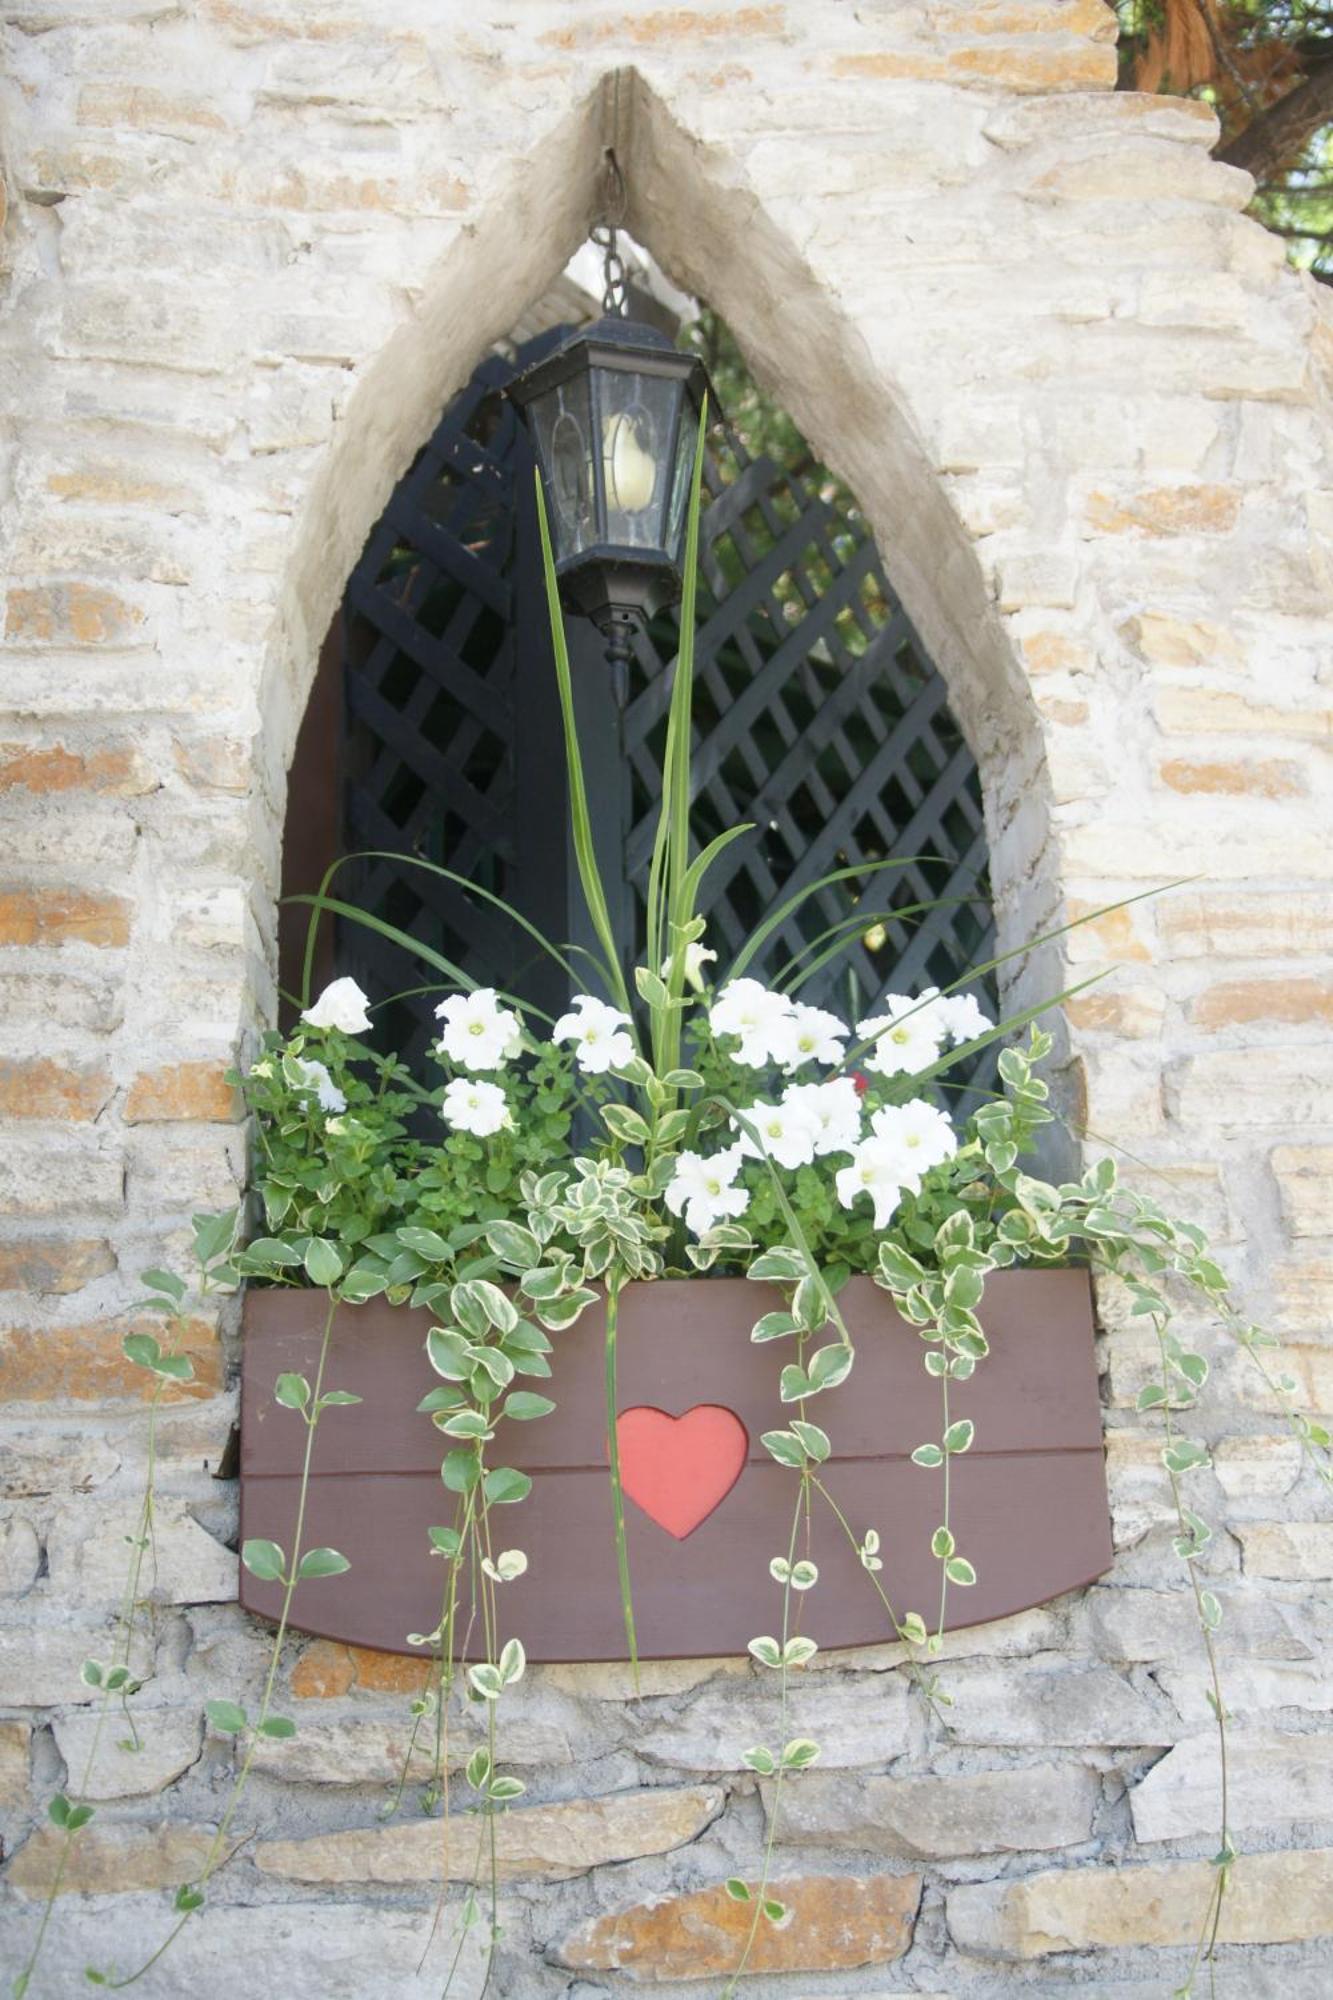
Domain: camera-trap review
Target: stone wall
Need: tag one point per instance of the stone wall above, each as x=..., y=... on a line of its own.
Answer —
x=252, y=247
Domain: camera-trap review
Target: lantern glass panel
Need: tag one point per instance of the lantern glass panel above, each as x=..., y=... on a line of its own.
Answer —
x=635, y=424
x=687, y=436
x=564, y=444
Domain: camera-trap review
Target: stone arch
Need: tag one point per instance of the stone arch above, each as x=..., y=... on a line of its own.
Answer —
x=717, y=239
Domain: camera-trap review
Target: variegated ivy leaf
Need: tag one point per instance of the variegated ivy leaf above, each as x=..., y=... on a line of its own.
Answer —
x=766, y=1650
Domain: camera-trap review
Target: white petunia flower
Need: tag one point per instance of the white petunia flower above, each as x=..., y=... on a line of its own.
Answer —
x=471, y=1106
x=340, y=1005
x=789, y=1132
x=920, y=1134
x=697, y=956
x=314, y=1076
x=836, y=1108
x=809, y=1034
x=478, y=1032
x=598, y=1032
x=702, y=1189
x=874, y=1171
x=908, y=1036
x=962, y=1017
x=747, y=1009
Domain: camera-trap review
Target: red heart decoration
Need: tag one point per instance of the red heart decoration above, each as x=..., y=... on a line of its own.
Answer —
x=678, y=1469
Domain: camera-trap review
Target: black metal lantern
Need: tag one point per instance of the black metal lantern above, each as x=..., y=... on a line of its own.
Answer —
x=614, y=418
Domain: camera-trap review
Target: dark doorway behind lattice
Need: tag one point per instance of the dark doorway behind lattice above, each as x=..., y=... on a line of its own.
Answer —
x=433, y=733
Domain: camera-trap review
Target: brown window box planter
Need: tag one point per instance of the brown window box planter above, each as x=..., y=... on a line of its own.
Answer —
x=1029, y=1500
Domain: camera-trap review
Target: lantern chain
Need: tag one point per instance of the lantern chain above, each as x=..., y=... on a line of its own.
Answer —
x=615, y=300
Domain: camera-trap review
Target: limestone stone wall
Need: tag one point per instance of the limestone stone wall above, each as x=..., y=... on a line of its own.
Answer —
x=251, y=248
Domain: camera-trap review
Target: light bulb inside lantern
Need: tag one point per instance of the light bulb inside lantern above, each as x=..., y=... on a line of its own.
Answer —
x=630, y=471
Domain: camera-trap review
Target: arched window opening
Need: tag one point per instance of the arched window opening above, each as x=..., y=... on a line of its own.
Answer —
x=434, y=731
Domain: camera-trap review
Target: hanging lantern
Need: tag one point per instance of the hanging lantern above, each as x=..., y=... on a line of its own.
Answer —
x=614, y=419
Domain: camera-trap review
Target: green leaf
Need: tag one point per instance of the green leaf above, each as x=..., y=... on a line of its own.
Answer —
x=278, y=1726
x=321, y=1562
x=323, y=1261
x=761, y=1760
x=773, y=1326
x=513, y=1661
x=942, y=1544
x=264, y=1560
x=517, y=1246
x=960, y=1571
x=59, y=1810
x=766, y=1650
x=830, y=1366
x=292, y=1391
x=505, y=1485
x=1151, y=1397
x=478, y=1769
x=798, y=1650
x=793, y=1383
x=780, y=1265
x=914, y=1628
x=227, y=1717
x=524, y=1405
x=737, y=1889
x=959, y=1436
x=427, y=1243
x=504, y=1789
x=927, y=1454
x=164, y=1281
x=176, y=1367
x=1184, y=1456
x=449, y=1354
x=784, y=1446
x=272, y=1250
x=777, y=1913
x=486, y=1679
x=445, y=1541
x=338, y=1399
x=799, y=1753
x=815, y=1440
x=141, y=1348
x=188, y=1899
x=91, y=1672
x=460, y=1471
x=625, y=1124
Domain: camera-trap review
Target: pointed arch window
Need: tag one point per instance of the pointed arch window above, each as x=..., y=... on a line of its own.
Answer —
x=433, y=731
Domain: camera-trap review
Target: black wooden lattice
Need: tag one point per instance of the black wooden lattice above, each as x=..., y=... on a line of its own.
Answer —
x=818, y=718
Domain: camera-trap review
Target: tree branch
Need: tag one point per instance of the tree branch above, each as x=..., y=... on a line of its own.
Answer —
x=1281, y=133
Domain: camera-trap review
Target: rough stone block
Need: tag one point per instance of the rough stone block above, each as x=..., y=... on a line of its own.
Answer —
x=89, y=1555
x=182, y=1090
x=109, y=1859
x=1305, y=1181
x=364, y=1749
x=56, y=1175
x=63, y=916
x=1052, y=1702
x=980, y=1812
x=169, y=1739
x=555, y=1842
x=1272, y=1780
x=86, y=1364
x=1293, y=1551
x=15, y=1755
x=41, y=1088
x=865, y=1721
x=54, y=1264
x=1271, y=1899
x=837, y=1922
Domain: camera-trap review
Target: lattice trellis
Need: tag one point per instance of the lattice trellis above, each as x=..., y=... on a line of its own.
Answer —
x=818, y=718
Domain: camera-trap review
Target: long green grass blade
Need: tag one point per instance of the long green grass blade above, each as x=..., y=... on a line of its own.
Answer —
x=585, y=853
x=841, y=933
x=429, y=956
x=617, y=1489
x=756, y=942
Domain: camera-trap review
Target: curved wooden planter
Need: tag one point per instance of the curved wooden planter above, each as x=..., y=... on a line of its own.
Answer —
x=1029, y=1500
